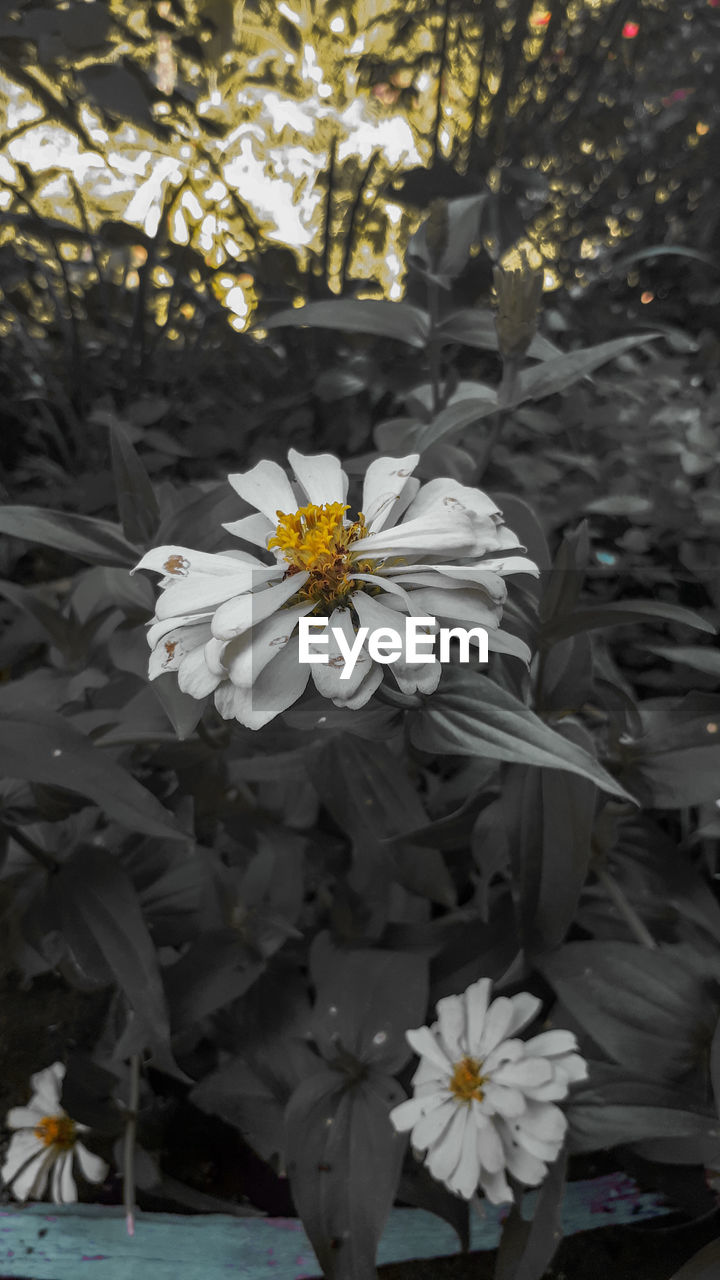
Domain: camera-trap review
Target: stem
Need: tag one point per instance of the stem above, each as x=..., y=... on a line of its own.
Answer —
x=628, y=912
x=433, y=348
x=505, y=395
x=129, y=1144
x=442, y=55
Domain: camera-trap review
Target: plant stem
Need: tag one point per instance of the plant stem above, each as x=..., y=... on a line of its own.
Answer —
x=506, y=391
x=627, y=911
x=46, y=860
x=129, y=1144
x=433, y=347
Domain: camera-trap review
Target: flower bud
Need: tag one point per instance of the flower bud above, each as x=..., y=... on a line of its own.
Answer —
x=519, y=293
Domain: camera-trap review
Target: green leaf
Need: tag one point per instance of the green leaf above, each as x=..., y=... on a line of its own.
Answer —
x=527, y=1248
x=344, y=1160
x=612, y=1109
x=645, y=1008
x=365, y=1001
x=704, y=1265
x=398, y=320
x=137, y=506
x=43, y=747
x=556, y=375
x=97, y=541
x=183, y=711
x=471, y=715
x=216, y=969
x=97, y=901
x=61, y=631
x=568, y=810
x=621, y=613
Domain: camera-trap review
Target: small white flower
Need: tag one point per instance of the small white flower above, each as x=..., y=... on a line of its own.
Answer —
x=45, y=1144
x=484, y=1102
x=227, y=622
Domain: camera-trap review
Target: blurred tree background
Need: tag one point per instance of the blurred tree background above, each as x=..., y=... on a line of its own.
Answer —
x=175, y=171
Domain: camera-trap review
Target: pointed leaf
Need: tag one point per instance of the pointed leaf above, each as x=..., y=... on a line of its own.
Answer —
x=622, y=613
x=137, y=505
x=398, y=320
x=555, y=375
x=96, y=541
x=43, y=747
x=471, y=715
x=527, y=1248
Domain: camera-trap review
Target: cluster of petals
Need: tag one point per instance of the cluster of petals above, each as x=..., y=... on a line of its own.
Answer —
x=509, y=1122
x=227, y=622
x=33, y=1157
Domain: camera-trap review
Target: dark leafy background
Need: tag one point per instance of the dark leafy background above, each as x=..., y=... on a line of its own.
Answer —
x=192, y=897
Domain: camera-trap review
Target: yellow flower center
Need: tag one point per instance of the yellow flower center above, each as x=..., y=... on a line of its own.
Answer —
x=466, y=1082
x=315, y=540
x=56, y=1131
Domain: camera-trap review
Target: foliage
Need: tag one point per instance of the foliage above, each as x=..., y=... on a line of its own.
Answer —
x=267, y=912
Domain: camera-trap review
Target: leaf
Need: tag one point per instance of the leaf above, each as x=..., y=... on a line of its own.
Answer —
x=183, y=711
x=619, y=504
x=398, y=320
x=704, y=1265
x=216, y=969
x=471, y=715
x=61, y=631
x=527, y=1248
x=665, y=250
x=344, y=1160
x=366, y=1000
x=699, y=657
x=455, y=418
x=475, y=327
x=613, y=1109
x=96, y=541
x=137, y=506
x=621, y=613
x=43, y=747
x=645, y=1008
x=96, y=899
x=677, y=761
x=556, y=375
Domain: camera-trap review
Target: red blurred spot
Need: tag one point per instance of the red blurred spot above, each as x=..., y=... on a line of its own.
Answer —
x=542, y=19
x=630, y=30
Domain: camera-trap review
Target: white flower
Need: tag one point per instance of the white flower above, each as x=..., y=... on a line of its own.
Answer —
x=227, y=622
x=484, y=1102
x=45, y=1143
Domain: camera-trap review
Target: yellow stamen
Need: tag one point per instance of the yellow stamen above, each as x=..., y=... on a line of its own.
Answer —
x=467, y=1081
x=56, y=1131
x=315, y=540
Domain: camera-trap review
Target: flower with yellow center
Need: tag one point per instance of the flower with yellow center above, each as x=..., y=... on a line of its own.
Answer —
x=45, y=1144
x=485, y=1102
x=228, y=622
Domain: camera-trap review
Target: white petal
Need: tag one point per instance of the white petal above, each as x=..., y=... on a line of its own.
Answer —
x=464, y=1180
x=255, y=529
x=204, y=591
x=550, y=1043
x=444, y=1157
x=529, y=1072
x=181, y=562
x=524, y=1166
x=418, y=537
x=554, y=1091
x=431, y=1126
x=500, y=641
x=31, y=1182
x=476, y=1003
x=451, y=1017
x=364, y=691
x=503, y=1100
x=267, y=488
x=160, y=629
x=505, y=1017
x=461, y=605
x=506, y=1051
x=46, y=1086
x=247, y=610
x=247, y=656
x=496, y=1188
x=23, y=1117
x=68, y=1189
x=320, y=475
x=328, y=676
x=22, y=1146
x=443, y=494
x=175, y=646
x=490, y=1149
x=385, y=481
x=388, y=588
x=194, y=675
x=278, y=686
x=406, y=1114
x=93, y=1169
x=422, y=1040
x=452, y=578
x=571, y=1067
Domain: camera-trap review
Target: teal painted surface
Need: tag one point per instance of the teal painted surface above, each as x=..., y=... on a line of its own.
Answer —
x=46, y=1242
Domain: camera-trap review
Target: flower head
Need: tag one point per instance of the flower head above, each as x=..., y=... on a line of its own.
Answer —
x=485, y=1102
x=227, y=622
x=45, y=1144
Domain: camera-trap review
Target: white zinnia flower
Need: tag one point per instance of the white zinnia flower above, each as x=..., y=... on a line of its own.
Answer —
x=227, y=622
x=484, y=1102
x=45, y=1144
